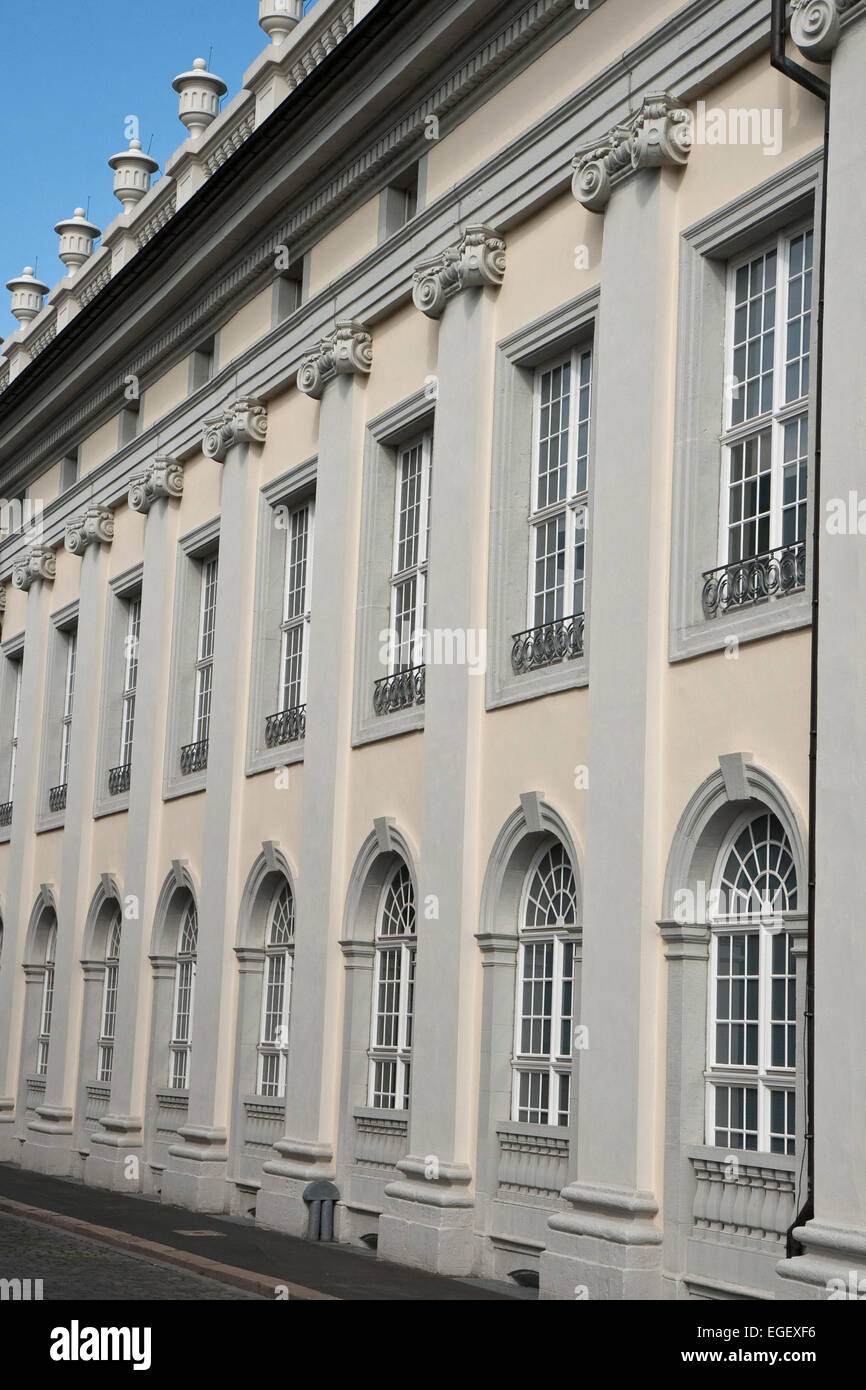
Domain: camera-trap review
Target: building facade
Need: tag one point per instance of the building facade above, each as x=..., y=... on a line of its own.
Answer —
x=405, y=675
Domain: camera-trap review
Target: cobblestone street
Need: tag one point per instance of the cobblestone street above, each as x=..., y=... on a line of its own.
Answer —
x=76, y=1269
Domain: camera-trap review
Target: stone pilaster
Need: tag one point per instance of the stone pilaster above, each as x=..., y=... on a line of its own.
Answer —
x=687, y=952
x=608, y=1242
x=49, y=1135
x=429, y=1217
x=22, y=878
x=121, y=1136
x=334, y=373
x=833, y=1241
x=195, y=1175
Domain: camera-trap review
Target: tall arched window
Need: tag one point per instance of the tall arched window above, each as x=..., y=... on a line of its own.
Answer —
x=50, y=926
x=277, y=994
x=184, y=996
x=108, y=1018
x=545, y=988
x=752, y=1035
x=391, y=1033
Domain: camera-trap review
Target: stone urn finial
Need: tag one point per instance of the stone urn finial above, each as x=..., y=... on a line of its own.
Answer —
x=279, y=17
x=27, y=295
x=77, y=236
x=133, y=170
x=200, y=93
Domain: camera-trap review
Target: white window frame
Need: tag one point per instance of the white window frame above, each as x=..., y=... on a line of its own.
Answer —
x=398, y=1054
x=130, y=678
x=299, y=622
x=16, y=716
x=780, y=413
x=203, y=699
x=108, y=1011
x=46, y=1007
x=68, y=703
x=416, y=571
x=761, y=1076
x=276, y=1047
x=554, y=1064
x=180, y=1043
x=575, y=505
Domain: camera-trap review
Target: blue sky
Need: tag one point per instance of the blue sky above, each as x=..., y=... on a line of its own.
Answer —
x=72, y=73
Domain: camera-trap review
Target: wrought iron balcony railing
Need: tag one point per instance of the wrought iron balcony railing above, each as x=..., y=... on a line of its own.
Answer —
x=770, y=575
x=118, y=778
x=57, y=797
x=193, y=756
x=286, y=726
x=400, y=691
x=561, y=640
x=6, y=813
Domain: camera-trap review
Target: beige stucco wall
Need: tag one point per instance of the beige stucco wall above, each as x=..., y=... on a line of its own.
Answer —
x=164, y=393
x=346, y=244
x=248, y=324
x=98, y=446
x=551, y=79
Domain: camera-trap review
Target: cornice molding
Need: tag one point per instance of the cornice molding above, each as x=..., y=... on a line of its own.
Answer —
x=816, y=26
x=346, y=350
x=38, y=563
x=477, y=259
x=659, y=133
x=461, y=83
x=162, y=478
x=93, y=527
x=690, y=47
x=245, y=421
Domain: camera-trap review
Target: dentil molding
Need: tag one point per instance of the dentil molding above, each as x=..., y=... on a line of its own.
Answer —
x=162, y=478
x=348, y=349
x=659, y=133
x=816, y=26
x=93, y=527
x=477, y=259
x=245, y=421
x=38, y=563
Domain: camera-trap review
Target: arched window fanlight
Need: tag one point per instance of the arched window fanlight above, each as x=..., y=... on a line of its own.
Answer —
x=393, y=990
x=751, y=1048
x=545, y=990
x=47, y=993
x=108, y=1021
x=184, y=998
x=277, y=994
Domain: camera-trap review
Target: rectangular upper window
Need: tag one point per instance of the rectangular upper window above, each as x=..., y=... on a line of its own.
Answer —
x=204, y=659
x=294, y=647
x=766, y=425
x=744, y=426
x=68, y=699
x=130, y=681
x=10, y=716
x=409, y=565
x=16, y=718
x=559, y=489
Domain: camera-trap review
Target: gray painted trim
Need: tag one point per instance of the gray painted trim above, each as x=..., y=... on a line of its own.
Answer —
x=289, y=488
x=122, y=588
x=687, y=53
x=13, y=652
x=692, y=854
x=60, y=623
x=192, y=548
x=705, y=249
x=561, y=329
x=393, y=427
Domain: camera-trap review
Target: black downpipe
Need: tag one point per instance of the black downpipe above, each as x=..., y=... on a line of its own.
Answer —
x=819, y=88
